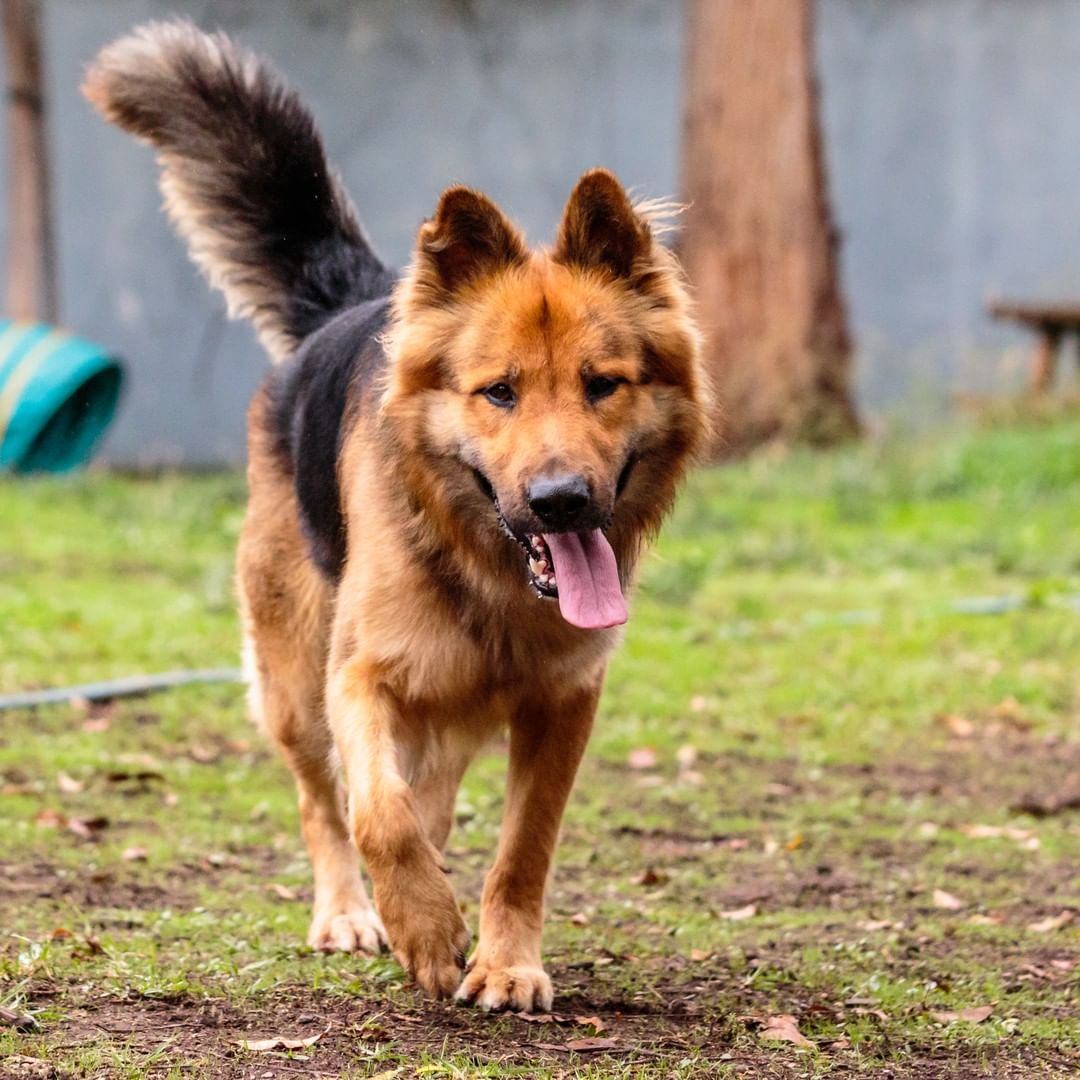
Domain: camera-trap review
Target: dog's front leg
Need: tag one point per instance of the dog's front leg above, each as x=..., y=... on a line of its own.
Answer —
x=375, y=735
x=546, y=744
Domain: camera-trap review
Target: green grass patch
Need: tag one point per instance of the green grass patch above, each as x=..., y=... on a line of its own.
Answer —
x=856, y=675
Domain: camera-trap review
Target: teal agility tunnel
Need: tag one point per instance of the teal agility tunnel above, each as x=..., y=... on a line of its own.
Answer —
x=58, y=394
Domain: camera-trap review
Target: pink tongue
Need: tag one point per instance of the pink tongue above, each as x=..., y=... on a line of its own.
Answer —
x=588, y=579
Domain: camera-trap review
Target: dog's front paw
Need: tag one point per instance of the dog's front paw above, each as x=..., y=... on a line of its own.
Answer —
x=347, y=928
x=434, y=958
x=429, y=937
x=521, y=987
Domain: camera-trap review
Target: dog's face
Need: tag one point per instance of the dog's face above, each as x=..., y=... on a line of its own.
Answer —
x=562, y=387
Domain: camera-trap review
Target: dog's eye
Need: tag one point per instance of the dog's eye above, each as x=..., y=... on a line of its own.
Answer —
x=500, y=394
x=601, y=386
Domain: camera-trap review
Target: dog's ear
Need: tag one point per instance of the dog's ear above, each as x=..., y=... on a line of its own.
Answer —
x=600, y=228
x=468, y=238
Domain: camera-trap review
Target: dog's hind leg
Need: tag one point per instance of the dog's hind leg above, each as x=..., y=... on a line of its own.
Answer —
x=290, y=710
x=285, y=606
x=436, y=781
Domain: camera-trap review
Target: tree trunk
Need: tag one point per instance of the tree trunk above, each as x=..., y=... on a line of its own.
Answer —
x=758, y=240
x=31, y=262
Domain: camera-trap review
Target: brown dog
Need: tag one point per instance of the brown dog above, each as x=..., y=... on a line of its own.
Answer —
x=452, y=473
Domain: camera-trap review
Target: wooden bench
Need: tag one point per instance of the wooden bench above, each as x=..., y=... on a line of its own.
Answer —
x=1052, y=322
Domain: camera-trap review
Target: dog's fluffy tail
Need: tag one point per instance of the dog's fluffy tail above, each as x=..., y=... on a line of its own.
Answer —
x=244, y=175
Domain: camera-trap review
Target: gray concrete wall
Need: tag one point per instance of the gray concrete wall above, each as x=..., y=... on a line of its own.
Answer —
x=953, y=137
x=953, y=148
x=515, y=97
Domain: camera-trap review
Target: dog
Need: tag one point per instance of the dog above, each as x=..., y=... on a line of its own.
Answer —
x=452, y=473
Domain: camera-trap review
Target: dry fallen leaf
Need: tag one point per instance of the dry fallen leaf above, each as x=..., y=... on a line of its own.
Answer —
x=96, y=724
x=1053, y=922
x=283, y=892
x=738, y=914
x=878, y=924
x=947, y=902
x=87, y=827
x=642, y=758
x=697, y=955
x=590, y=1045
x=975, y=1015
x=87, y=946
x=783, y=1028
x=134, y=854
x=279, y=1043
x=960, y=727
x=1026, y=838
x=879, y=1013
x=795, y=842
x=649, y=876
x=594, y=1022
x=686, y=756
x=979, y=919
x=698, y=703
x=68, y=784
x=1008, y=709
x=580, y=919
x=49, y=819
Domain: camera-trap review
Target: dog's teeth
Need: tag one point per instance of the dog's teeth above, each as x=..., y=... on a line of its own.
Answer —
x=536, y=567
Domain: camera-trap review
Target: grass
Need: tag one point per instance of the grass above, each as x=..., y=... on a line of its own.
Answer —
x=832, y=778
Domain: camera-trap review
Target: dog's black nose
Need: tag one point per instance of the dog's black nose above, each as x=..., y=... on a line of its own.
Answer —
x=559, y=500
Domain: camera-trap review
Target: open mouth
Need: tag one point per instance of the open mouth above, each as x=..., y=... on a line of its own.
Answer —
x=538, y=560
x=591, y=596
x=541, y=565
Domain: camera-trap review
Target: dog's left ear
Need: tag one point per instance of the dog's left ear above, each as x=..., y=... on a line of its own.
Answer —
x=600, y=228
x=468, y=238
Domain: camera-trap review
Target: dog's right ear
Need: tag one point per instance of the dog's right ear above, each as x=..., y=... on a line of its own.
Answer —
x=468, y=238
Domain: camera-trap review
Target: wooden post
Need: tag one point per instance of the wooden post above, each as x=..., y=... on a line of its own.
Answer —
x=758, y=240
x=31, y=258
x=1044, y=361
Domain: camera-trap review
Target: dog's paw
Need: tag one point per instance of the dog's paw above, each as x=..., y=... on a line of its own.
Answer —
x=356, y=928
x=432, y=948
x=521, y=987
